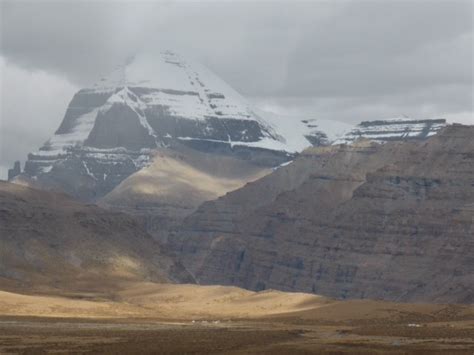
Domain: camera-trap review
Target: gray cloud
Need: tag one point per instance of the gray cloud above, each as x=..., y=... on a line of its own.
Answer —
x=344, y=60
x=31, y=108
x=284, y=48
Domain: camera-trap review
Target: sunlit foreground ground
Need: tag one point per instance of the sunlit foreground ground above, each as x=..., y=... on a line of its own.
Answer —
x=152, y=318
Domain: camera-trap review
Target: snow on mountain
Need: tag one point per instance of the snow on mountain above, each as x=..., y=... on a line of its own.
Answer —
x=398, y=128
x=110, y=129
x=299, y=133
x=202, y=93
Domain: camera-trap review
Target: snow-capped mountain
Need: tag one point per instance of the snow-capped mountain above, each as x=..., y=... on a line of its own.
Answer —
x=111, y=128
x=160, y=98
x=394, y=129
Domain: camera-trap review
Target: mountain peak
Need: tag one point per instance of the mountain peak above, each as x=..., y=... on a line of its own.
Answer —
x=164, y=100
x=150, y=101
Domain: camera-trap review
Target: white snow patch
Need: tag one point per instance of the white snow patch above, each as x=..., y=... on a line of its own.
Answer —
x=199, y=92
x=293, y=130
x=58, y=144
x=393, y=128
x=46, y=169
x=84, y=164
x=283, y=165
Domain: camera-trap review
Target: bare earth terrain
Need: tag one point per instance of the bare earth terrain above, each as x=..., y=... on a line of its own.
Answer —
x=164, y=318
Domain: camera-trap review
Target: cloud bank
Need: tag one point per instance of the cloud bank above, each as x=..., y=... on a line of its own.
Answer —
x=340, y=60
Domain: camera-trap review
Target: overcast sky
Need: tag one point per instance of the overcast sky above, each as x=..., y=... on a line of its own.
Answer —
x=339, y=60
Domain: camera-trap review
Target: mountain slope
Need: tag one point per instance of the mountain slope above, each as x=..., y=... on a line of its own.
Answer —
x=49, y=241
x=176, y=182
x=392, y=221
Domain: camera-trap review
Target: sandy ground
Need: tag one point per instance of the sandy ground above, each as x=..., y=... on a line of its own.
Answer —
x=167, y=301
x=149, y=318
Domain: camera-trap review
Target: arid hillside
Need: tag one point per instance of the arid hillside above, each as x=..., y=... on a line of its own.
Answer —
x=49, y=241
x=392, y=221
x=176, y=183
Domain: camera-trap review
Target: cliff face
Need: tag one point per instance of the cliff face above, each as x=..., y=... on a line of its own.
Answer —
x=392, y=221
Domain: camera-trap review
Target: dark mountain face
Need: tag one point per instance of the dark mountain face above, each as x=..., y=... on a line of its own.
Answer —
x=119, y=127
x=392, y=221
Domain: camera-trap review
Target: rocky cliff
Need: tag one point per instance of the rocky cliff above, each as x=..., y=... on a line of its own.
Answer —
x=392, y=221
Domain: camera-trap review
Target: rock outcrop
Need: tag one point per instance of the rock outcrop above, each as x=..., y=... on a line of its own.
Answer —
x=392, y=221
x=15, y=171
x=396, y=129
